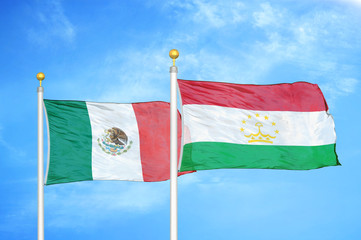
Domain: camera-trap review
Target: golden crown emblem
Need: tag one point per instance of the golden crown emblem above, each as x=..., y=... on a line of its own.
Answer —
x=259, y=136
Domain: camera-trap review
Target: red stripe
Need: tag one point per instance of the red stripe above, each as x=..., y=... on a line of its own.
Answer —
x=153, y=120
x=297, y=97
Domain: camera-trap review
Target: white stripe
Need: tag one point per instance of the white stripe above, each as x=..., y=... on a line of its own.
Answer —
x=223, y=124
x=126, y=166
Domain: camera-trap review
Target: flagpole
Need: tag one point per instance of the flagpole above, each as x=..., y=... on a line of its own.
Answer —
x=173, y=148
x=40, y=76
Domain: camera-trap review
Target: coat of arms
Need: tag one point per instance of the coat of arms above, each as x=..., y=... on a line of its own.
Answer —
x=114, y=141
x=259, y=136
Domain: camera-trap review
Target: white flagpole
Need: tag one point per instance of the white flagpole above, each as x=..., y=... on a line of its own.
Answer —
x=40, y=76
x=173, y=148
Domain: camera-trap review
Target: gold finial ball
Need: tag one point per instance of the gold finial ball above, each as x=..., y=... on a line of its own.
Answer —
x=40, y=76
x=173, y=53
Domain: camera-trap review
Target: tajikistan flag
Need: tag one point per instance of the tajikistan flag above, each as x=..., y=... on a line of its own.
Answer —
x=281, y=126
x=108, y=141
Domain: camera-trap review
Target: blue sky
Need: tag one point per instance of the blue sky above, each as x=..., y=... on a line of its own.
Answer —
x=117, y=51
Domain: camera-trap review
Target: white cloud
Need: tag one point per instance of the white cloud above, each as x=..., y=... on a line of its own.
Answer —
x=304, y=34
x=338, y=87
x=353, y=2
x=122, y=75
x=209, y=67
x=348, y=85
x=132, y=76
x=268, y=16
x=53, y=24
x=211, y=13
x=306, y=41
x=216, y=15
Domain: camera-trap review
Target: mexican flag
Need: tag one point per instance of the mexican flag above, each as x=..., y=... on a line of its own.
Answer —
x=281, y=126
x=108, y=141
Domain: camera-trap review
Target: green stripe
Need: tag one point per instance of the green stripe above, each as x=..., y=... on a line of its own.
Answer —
x=70, y=142
x=215, y=155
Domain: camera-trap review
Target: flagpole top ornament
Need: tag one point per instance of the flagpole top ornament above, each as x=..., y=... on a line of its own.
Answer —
x=173, y=54
x=40, y=76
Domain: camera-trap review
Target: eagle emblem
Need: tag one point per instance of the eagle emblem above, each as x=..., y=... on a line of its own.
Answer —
x=114, y=141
